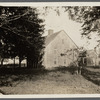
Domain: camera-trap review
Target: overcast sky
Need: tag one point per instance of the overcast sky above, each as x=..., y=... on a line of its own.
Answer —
x=72, y=28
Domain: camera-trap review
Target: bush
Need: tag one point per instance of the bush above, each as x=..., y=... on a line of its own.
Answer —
x=72, y=69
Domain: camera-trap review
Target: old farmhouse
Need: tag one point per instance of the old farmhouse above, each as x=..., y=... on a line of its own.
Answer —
x=60, y=50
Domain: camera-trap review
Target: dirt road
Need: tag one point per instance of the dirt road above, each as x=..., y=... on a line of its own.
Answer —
x=53, y=83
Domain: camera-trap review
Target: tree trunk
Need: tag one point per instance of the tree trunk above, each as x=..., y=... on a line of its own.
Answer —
x=14, y=62
x=20, y=60
x=29, y=62
x=2, y=62
x=36, y=64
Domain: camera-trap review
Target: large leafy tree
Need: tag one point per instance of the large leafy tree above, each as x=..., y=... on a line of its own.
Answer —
x=21, y=30
x=88, y=16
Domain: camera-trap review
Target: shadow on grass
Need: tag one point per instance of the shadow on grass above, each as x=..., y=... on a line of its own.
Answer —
x=9, y=76
x=91, y=76
x=12, y=77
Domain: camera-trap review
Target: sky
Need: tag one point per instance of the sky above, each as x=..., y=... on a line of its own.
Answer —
x=62, y=22
x=72, y=28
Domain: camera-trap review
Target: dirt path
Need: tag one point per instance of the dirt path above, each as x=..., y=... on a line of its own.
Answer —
x=54, y=83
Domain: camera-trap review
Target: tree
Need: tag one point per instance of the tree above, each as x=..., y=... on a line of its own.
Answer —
x=88, y=16
x=22, y=31
x=3, y=53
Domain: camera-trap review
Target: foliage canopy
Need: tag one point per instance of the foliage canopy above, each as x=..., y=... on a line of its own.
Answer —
x=21, y=31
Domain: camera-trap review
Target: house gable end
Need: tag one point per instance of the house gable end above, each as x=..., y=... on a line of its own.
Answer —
x=49, y=39
x=70, y=38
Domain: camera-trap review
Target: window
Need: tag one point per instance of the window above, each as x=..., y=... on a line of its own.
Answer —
x=55, y=51
x=55, y=56
x=99, y=55
x=64, y=61
x=63, y=41
x=54, y=62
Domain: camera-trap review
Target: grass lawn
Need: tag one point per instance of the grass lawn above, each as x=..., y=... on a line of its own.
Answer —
x=59, y=81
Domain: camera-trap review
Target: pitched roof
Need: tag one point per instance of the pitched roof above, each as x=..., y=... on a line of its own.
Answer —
x=50, y=38
x=91, y=53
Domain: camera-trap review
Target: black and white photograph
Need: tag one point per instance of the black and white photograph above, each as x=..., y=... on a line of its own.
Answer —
x=49, y=49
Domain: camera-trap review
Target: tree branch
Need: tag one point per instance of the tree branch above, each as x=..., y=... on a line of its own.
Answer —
x=23, y=37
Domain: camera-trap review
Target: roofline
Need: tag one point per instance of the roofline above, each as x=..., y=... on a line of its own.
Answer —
x=54, y=38
x=67, y=35
x=70, y=38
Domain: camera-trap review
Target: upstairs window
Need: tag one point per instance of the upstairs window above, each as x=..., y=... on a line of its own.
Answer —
x=55, y=51
x=99, y=56
x=55, y=62
x=64, y=61
x=62, y=41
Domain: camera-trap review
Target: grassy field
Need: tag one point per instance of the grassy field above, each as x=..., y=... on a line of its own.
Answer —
x=58, y=81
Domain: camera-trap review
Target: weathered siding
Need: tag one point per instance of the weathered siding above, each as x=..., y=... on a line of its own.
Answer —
x=53, y=51
x=97, y=50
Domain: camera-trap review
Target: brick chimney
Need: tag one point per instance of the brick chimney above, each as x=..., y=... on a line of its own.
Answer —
x=50, y=32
